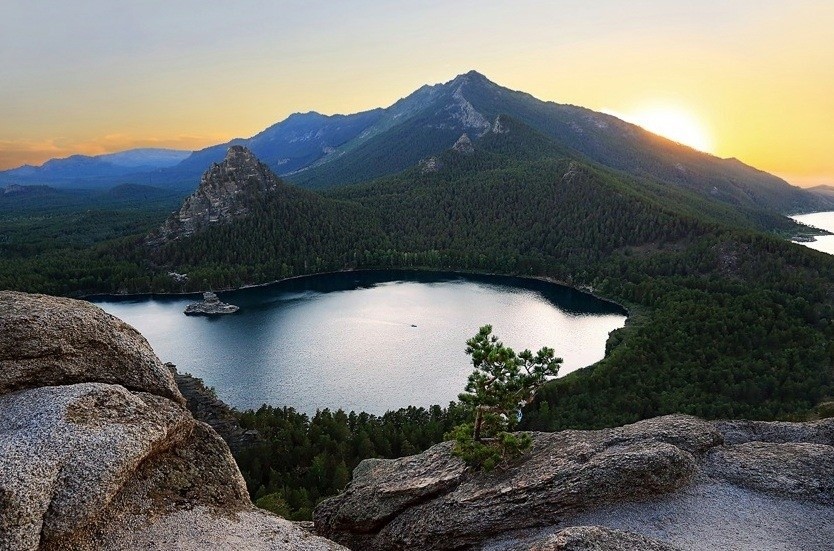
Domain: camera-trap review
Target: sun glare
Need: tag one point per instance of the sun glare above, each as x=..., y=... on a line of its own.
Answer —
x=671, y=122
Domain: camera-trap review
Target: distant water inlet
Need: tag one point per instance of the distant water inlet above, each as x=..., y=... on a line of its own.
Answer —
x=823, y=221
x=370, y=341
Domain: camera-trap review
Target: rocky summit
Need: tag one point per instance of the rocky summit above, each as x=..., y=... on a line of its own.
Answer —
x=97, y=450
x=227, y=191
x=674, y=482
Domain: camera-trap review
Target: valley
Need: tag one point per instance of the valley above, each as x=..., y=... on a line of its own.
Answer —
x=727, y=317
x=692, y=265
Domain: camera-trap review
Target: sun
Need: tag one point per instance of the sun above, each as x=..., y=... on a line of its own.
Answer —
x=673, y=122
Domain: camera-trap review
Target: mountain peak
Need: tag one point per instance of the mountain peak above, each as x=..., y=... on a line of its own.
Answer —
x=238, y=152
x=226, y=192
x=473, y=74
x=470, y=77
x=306, y=116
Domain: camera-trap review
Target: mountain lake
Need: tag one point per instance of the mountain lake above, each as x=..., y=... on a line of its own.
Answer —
x=366, y=340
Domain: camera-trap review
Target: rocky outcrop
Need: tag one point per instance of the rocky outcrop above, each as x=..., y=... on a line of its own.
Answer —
x=48, y=341
x=498, y=127
x=464, y=145
x=97, y=450
x=210, y=306
x=205, y=406
x=432, y=501
x=227, y=191
x=430, y=165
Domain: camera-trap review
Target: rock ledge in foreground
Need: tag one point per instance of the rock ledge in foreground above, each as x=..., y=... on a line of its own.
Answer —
x=97, y=450
x=431, y=501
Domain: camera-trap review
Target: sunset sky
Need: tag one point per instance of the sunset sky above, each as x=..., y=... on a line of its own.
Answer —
x=752, y=79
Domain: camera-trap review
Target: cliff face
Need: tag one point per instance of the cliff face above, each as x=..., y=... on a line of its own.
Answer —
x=98, y=451
x=227, y=191
x=205, y=406
x=673, y=482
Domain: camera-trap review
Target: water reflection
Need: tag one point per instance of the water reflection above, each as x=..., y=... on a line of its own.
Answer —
x=369, y=341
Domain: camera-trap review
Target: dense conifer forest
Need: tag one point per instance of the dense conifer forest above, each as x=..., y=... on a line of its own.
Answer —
x=304, y=459
x=727, y=318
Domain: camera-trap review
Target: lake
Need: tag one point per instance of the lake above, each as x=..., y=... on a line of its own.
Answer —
x=821, y=220
x=369, y=341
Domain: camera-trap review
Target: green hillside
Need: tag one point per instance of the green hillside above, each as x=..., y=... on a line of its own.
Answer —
x=727, y=317
x=471, y=103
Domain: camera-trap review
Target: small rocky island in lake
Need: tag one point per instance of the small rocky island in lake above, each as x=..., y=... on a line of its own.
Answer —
x=210, y=306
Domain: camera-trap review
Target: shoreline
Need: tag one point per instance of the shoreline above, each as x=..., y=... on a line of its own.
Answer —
x=543, y=279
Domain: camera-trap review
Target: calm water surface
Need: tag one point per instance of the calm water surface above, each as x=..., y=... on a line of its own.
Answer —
x=348, y=341
x=822, y=220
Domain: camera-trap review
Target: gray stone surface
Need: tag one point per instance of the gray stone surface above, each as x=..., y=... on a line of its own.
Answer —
x=57, y=341
x=97, y=450
x=67, y=450
x=813, y=432
x=201, y=529
x=671, y=479
x=430, y=501
x=796, y=470
x=595, y=538
x=707, y=516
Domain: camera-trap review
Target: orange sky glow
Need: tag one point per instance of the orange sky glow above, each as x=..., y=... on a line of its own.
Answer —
x=746, y=79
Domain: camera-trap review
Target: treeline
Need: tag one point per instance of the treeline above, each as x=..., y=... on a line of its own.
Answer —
x=727, y=320
x=740, y=325
x=302, y=460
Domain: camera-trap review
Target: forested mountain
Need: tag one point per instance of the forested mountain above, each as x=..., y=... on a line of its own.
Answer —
x=728, y=318
x=823, y=190
x=471, y=102
x=320, y=151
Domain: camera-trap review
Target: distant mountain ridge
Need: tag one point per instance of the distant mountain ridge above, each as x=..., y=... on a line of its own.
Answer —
x=320, y=151
x=824, y=190
x=469, y=102
x=98, y=171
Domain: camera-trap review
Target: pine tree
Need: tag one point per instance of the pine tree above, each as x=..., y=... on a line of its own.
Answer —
x=502, y=383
